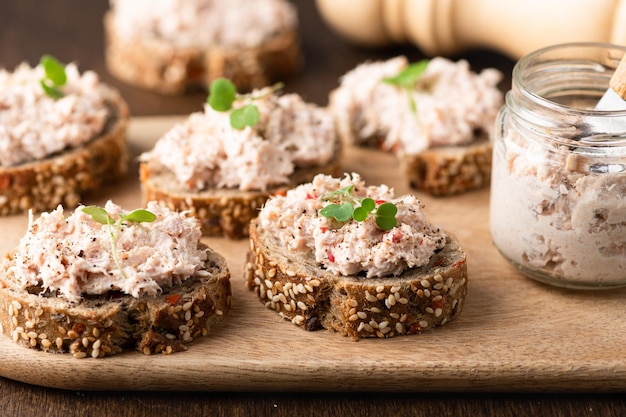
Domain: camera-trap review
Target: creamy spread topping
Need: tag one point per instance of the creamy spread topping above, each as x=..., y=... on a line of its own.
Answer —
x=73, y=255
x=34, y=126
x=452, y=103
x=551, y=214
x=202, y=23
x=206, y=151
x=352, y=247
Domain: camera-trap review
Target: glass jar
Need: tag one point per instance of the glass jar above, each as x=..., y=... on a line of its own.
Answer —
x=558, y=191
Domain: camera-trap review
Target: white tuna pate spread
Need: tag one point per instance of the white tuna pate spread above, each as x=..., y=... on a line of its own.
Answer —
x=452, y=103
x=34, y=125
x=205, y=151
x=72, y=255
x=352, y=247
x=202, y=23
x=554, y=217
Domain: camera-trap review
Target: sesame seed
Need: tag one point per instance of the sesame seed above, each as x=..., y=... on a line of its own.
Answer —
x=392, y=299
x=369, y=297
x=360, y=327
x=268, y=283
x=383, y=324
x=32, y=335
x=301, y=289
x=395, y=288
x=96, y=344
x=352, y=311
x=429, y=310
x=368, y=328
x=427, y=293
x=16, y=305
x=42, y=336
x=187, y=305
x=170, y=336
x=385, y=330
x=302, y=306
x=187, y=315
x=95, y=353
x=353, y=317
x=437, y=298
x=381, y=296
x=424, y=283
x=33, y=342
x=282, y=298
x=46, y=343
x=187, y=337
x=10, y=309
x=362, y=315
x=146, y=350
x=438, y=312
x=85, y=342
x=59, y=342
x=403, y=300
x=352, y=302
x=290, y=273
x=183, y=328
x=72, y=334
x=394, y=315
x=308, y=287
x=375, y=310
x=269, y=294
x=315, y=282
x=438, y=278
x=271, y=273
x=438, y=286
x=380, y=288
x=199, y=314
x=96, y=332
x=80, y=355
x=423, y=324
x=399, y=327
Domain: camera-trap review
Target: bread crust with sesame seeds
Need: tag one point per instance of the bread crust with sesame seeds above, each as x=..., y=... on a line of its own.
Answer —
x=448, y=170
x=312, y=298
x=154, y=64
x=64, y=177
x=222, y=212
x=100, y=326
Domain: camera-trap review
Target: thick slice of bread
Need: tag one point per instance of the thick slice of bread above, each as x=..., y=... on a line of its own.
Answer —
x=64, y=177
x=153, y=64
x=447, y=170
x=311, y=297
x=104, y=325
x=223, y=212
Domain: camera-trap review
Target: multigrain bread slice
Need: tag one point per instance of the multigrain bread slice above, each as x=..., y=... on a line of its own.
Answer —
x=222, y=212
x=63, y=178
x=100, y=326
x=312, y=298
x=438, y=126
x=153, y=64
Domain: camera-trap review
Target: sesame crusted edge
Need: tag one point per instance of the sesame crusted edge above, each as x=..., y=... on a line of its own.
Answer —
x=222, y=212
x=155, y=65
x=312, y=298
x=152, y=325
x=449, y=170
x=63, y=179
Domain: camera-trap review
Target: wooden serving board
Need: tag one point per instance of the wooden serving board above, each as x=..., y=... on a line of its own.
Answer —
x=513, y=335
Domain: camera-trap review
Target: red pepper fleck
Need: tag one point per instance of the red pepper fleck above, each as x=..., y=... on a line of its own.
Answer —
x=439, y=261
x=379, y=202
x=459, y=262
x=331, y=257
x=282, y=192
x=324, y=229
x=172, y=299
x=396, y=237
x=415, y=328
x=438, y=303
x=311, y=196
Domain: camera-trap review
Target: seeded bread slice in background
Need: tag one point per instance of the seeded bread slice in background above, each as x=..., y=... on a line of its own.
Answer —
x=222, y=212
x=64, y=177
x=105, y=325
x=154, y=64
x=447, y=170
x=312, y=298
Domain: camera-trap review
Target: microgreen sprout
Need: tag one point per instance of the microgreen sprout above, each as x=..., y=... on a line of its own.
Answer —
x=346, y=206
x=54, y=78
x=101, y=216
x=222, y=95
x=407, y=78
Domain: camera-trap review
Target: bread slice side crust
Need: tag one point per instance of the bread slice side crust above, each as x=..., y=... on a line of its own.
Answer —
x=156, y=65
x=313, y=298
x=64, y=177
x=100, y=326
x=222, y=212
x=449, y=170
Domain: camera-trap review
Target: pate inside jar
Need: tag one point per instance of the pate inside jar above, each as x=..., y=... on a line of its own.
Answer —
x=558, y=191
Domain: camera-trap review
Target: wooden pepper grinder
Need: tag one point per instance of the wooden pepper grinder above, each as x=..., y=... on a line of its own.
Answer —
x=444, y=27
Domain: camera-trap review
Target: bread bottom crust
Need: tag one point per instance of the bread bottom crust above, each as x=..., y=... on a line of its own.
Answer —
x=312, y=298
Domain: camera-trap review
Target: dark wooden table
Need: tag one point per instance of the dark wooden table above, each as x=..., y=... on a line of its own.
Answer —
x=72, y=30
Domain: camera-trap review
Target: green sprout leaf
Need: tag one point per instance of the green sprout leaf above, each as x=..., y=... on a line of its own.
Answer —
x=222, y=94
x=98, y=214
x=101, y=216
x=247, y=115
x=407, y=78
x=386, y=216
x=55, y=76
x=139, y=216
x=340, y=212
